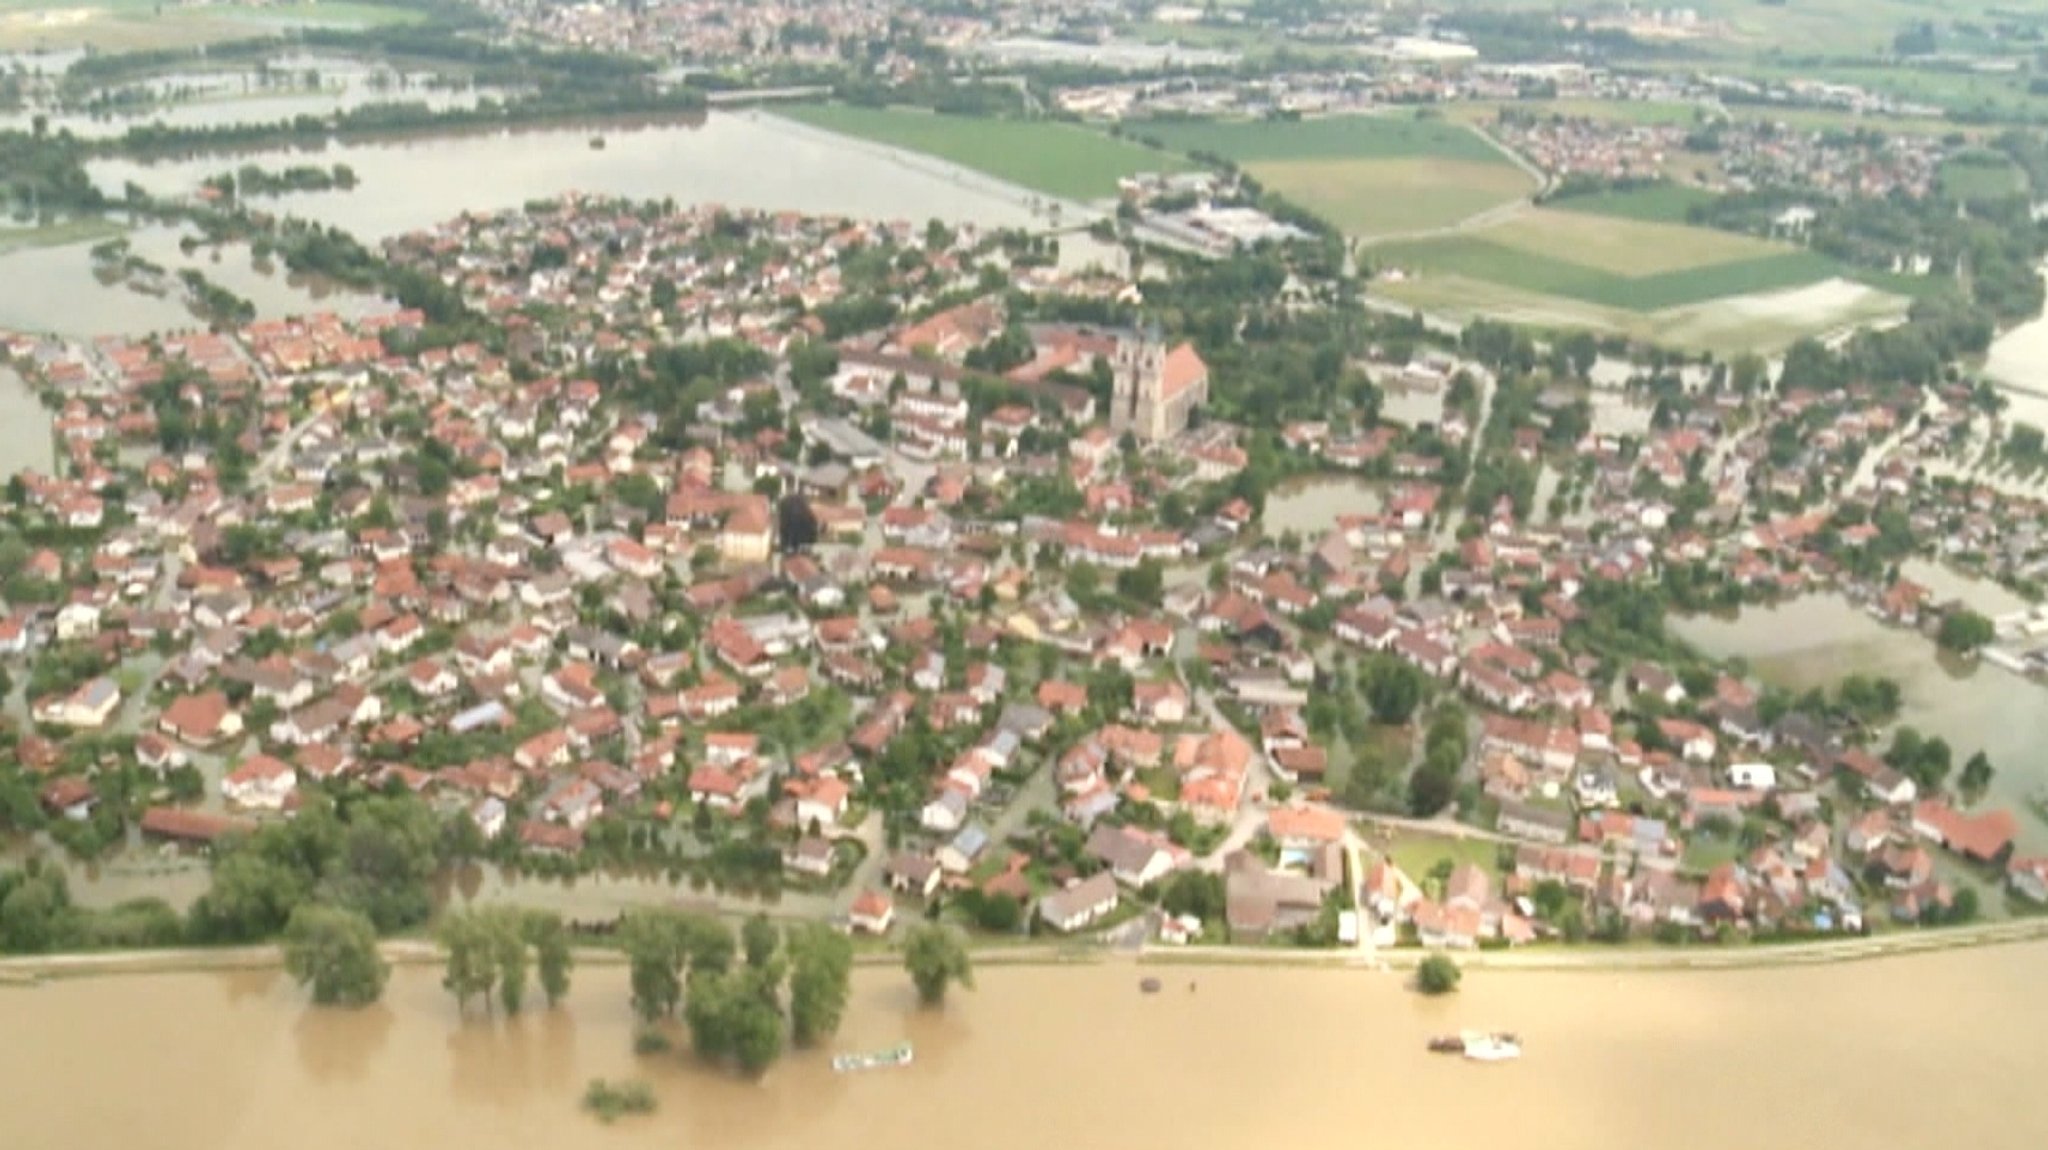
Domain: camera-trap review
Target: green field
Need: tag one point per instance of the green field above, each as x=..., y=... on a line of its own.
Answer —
x=1981, y=176
x=144, y=25
x=1327, y=138
x=1370, y=176
x=1660, y=203
x=1048, y=156
x=1473, y=257
x=1375, y=198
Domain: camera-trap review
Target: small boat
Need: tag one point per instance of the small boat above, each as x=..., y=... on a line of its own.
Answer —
x=876, y=1060
x=1478, y=1045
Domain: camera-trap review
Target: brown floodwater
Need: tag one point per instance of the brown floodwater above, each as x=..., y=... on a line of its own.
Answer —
x=1907, y=1052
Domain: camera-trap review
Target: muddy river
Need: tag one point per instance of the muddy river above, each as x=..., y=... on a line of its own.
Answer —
x=1254, y=1059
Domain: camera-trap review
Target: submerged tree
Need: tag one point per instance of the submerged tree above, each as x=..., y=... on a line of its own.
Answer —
x=936, y=959
x=334, y=951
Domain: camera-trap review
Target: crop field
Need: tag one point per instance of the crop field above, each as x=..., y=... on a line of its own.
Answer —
x=1662, y=203
x=1369, y=198
x=1685, y=286
x=1327, y=138
x=1981, y=176
x=1765, y=322
x=1370, y=176
x=1048, y=156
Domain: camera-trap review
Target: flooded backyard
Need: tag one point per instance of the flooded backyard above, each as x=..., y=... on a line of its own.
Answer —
x=1312, y=505
x=1254, y=1058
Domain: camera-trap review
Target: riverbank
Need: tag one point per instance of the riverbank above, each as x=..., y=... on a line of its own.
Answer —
x=31, y=970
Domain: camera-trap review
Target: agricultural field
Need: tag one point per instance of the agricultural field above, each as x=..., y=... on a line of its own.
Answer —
x=1049, y=156
x=1660, y=203
x=1686, y=286
x=1826, y=27
x=147, y=25
x=1981, y=176
x=1372, y=177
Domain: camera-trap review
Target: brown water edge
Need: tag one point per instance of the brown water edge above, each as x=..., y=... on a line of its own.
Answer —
x=1900, y=1053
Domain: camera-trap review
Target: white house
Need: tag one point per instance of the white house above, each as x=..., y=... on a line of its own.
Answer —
x=260, y=783
x=1753, y=776
x=1081, y=904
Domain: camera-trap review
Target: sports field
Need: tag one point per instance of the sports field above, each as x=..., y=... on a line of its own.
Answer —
x=1049, y=156
x=1370, y=176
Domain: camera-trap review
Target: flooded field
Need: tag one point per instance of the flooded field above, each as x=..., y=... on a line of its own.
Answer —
x=1816, y=640
x=722, y=159
x=1252, y=1059
x=24, y=428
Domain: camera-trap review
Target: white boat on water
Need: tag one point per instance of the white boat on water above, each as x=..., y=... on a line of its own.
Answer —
x=1479, y=1046
x=1492, y=1047
x=894, y=1056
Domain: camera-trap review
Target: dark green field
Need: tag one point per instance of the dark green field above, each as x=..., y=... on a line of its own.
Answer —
x=1660, y=203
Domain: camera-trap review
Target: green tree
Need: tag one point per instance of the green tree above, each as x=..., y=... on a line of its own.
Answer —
x=653, y=943
x=759, y=940
x=1963, y=631
x=33, y=907
x=1438, y=975
x=1976, y=777
x=552, y=956
x=936, y=959
x=334, y=951
x=733, y=1016
x=820, y=982
x=470, y=971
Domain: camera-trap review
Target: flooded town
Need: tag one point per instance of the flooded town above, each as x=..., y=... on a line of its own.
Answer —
x=625, y=574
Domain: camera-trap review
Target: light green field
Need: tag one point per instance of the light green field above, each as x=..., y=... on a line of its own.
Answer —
x=1370, y=176
x=1765, y=323
x=1661, y=203
x=1377, y=198
x=1049, y=156
x=1830, y=27
x=1981, y=176
x=143, y=25
x=1624, y=247
x=1326, y=138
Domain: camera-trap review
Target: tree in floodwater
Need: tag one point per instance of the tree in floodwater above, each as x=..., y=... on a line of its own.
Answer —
x=936, y=959
x=489, y=952
x=334, y=951
x=820, y=982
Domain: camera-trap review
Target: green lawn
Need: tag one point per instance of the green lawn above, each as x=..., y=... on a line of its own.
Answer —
x=1392, y=137
x=1417, y=854
x=1049, y=156
x=1659, y=203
